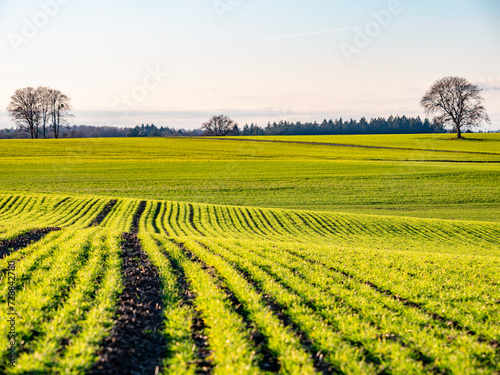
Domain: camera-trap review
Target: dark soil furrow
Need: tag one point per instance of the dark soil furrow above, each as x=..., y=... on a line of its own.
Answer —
x=165, y=208
x=241, y=215
x=280, y=223
x=176, y=221
x=198, y=328
x=9, y=246
x=269, y=362
x=314, y=228
x=137, y=217
x=330, y=230
x=155, y=217
x=191, y=219
x=255, y=222
x=265, y=220
x=279, y=310
x=213, y=219
x=6, y=202
x=226, y=214
x=102, y=215
x=136, y=344
x=71, y=220
x=61, y=202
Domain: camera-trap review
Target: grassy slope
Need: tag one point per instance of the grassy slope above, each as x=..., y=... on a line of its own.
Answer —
x=355, y=271
x=489, y=143
x=341, y=278
x=316, y=177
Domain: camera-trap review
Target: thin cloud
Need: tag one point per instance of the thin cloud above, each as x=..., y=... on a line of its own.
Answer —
x=491, y=88
x=305, y=34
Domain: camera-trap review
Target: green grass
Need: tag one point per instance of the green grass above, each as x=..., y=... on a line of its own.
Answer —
x=482, y=143
x=59, y=300
x=355, y=259
x=282, y=175
x=369, y=293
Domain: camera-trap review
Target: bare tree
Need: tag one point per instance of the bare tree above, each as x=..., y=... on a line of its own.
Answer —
x=45, y=108
x=218, y=126
x=32, y=108
x=457, y=102
x=60, y=110
x=24, y=108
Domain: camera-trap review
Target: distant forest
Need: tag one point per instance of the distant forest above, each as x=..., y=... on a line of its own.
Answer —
x=391, y=125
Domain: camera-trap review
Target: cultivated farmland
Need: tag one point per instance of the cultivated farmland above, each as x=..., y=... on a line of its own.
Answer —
x=102, y=276
x=397, y=181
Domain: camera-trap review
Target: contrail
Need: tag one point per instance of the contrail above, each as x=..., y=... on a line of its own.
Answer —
x=305, y=34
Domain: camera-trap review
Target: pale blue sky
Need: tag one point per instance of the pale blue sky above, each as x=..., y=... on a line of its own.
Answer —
x=177, y=62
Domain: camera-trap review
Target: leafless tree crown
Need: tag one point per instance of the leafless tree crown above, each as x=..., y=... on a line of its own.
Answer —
x=40, y=109
x=455, y=101
x=218, y=126
x=24, y=110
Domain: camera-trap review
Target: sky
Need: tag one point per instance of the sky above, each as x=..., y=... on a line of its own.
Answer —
x=178, y=62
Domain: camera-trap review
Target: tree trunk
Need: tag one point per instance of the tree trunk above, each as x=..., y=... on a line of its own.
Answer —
x=459, y=133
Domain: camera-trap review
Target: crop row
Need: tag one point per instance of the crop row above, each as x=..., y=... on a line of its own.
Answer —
x=21, y=213
x=462, y=289
x=312, y=318
x=249, y=290
x=64, y=288
x=431, y=341
x=199, y=220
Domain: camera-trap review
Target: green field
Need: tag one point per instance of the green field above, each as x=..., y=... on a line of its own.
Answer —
x=439, y=184
x=480, y=143
x=271, y=257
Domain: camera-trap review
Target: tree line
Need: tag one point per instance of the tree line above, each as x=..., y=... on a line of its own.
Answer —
x=379, y=125
x=453, y=100
x=153, y=131
x=392, y=125
x=87, y=131
x=39, y=110
x=222, y=126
